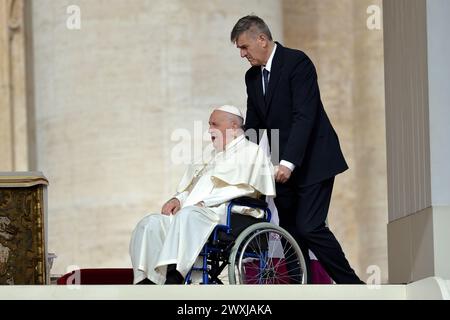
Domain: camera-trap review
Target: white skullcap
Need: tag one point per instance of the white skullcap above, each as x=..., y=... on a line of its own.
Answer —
x=230, y=109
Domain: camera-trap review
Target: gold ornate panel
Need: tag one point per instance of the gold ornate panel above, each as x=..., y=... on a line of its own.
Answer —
x=22, y=233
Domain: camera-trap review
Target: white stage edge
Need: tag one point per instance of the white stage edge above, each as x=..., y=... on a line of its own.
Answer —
x=430, y=288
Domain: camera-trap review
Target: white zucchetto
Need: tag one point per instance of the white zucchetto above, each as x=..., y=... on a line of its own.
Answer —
x=230, y=109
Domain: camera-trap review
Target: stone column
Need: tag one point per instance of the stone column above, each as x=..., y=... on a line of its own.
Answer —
x=417, y=77
x=14, y=75
x=110, y=94
x=349, y=62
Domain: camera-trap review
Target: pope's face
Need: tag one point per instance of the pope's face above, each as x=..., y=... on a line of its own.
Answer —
x=220, y=129
x=253, y=48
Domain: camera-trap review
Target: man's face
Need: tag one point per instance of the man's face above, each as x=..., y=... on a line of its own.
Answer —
x=253, y=47
x=220, y=129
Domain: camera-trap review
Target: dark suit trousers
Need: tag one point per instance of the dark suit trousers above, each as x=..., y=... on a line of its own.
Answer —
x=303, y=212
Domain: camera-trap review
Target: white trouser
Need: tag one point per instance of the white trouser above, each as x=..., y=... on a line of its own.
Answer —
x=159, y=240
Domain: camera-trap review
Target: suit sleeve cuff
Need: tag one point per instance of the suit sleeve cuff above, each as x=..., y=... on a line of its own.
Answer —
x=287, y=164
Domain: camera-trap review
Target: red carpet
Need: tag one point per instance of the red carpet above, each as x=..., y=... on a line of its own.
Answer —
x=98, y=276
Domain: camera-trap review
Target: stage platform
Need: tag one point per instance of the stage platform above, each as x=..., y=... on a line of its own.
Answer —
x=430, y=288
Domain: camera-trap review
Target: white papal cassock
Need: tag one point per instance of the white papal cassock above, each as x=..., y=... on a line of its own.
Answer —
x=242, y=169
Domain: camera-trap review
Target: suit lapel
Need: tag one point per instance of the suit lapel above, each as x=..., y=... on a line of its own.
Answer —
x=275, y=73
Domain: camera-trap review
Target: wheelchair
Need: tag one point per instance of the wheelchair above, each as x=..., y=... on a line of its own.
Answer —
x=254, y=250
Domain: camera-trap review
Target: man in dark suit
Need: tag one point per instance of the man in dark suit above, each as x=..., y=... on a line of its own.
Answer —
x=283, y=95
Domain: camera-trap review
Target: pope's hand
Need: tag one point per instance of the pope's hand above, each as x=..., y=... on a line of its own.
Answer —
x=282, y=174
x=171, y=207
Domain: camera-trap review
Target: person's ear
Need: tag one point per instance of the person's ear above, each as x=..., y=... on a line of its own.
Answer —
x=262, y=39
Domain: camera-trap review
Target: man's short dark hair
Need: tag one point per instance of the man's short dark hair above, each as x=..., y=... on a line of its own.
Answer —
x=250, y=23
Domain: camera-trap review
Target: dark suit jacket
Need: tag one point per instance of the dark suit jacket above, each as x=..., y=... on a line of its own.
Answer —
x=293, y=105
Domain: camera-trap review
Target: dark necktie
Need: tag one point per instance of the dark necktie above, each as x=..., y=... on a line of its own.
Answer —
x=266, y=80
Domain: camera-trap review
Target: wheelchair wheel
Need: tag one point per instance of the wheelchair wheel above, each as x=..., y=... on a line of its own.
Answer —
x=265, y=253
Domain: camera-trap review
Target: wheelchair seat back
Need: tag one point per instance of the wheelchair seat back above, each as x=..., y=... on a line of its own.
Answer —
x=238, y=223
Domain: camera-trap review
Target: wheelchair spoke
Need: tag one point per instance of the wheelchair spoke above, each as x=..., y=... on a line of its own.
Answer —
x=253, y=279
x=284, y=273
x=283, y=281
x=291, y=255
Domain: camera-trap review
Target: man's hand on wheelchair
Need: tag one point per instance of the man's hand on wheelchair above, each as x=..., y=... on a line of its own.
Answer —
x=282, y=174
x=171, y=207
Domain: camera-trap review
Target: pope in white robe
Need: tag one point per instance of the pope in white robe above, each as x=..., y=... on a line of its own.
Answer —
x=237, y=168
